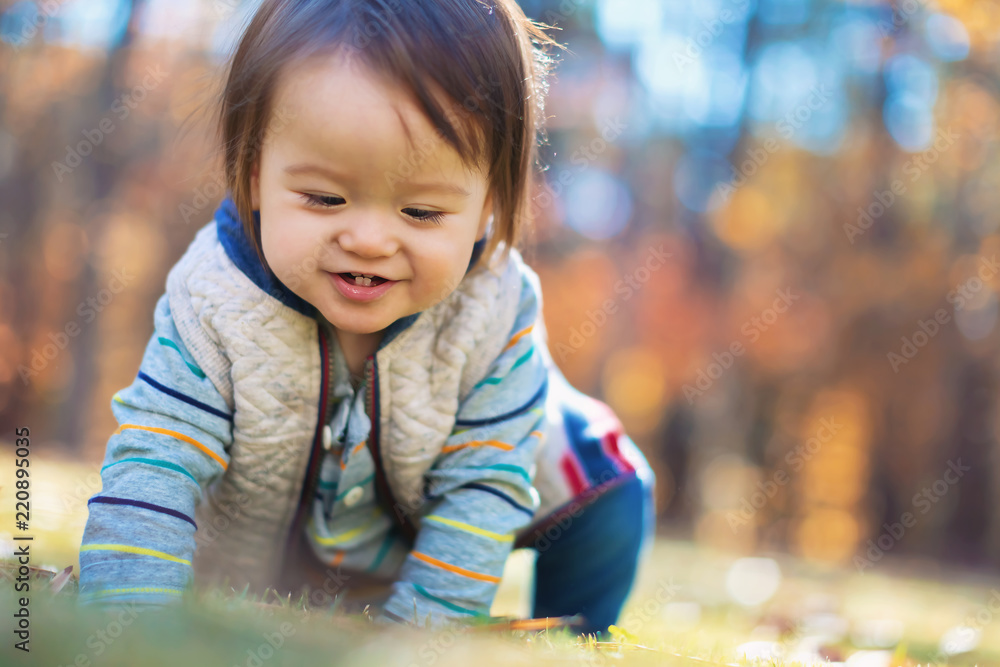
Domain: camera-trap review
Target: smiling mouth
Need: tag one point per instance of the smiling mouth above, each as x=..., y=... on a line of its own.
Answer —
x=363, y=279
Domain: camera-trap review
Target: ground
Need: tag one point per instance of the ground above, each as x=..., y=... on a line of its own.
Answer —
x=683, y=611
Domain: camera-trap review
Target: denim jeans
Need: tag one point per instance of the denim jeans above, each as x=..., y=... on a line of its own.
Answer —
x=590, y=565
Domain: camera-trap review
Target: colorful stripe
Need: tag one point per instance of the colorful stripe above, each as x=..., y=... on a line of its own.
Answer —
x=200, y=374
x=142, y=551
x=610, y=442
x=508, y=468
x=179, y=436
x=538, y=412
x=585, y=442
x=518, y=336
x=153, y=462
x=183, y=397
x=608, y=429
x=117, y=591
x=383, y=550
x=573, y=474
x=444, y=603
x=469, y=528
x=111, y=500
x=494, y=420
x=349, y=535
x=499, y=378
x=357, y=448
x=498, y=494
x=478, y=443
x=454, y=568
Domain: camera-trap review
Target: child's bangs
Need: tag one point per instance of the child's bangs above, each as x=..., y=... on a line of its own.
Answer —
x=466, y=132
x=454, y=57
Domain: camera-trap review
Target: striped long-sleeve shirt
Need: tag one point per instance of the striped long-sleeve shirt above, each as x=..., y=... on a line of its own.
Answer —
x=479, y=490
x=173, y=442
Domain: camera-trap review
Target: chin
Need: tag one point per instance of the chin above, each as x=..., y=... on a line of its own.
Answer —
x=352, y=326
x=355, y=324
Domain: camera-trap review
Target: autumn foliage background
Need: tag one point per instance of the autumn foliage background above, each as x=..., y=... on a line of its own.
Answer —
x=766, y=240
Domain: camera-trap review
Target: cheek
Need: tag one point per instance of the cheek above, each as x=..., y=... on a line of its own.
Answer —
x=270, y=243
x=443, y=271
x=281, y=246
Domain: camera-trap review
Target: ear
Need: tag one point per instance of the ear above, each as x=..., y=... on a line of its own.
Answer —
x=255, y=187
x=486, y=216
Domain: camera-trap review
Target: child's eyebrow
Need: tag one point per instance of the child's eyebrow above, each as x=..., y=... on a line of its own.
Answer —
x=446, y=188
x=305, y=168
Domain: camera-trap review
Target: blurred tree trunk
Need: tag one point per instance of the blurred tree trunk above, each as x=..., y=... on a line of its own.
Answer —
x=106, y=175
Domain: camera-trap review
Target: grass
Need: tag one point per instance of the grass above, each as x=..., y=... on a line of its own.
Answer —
x=680, y=613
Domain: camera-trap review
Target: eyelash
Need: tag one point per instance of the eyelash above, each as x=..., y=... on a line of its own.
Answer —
x=318, y=201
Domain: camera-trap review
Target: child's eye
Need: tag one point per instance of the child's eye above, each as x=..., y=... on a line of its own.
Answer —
x=424, y=215
x=322, y=201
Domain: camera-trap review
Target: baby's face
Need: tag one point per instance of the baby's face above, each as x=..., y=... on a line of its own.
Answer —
x=341, y=191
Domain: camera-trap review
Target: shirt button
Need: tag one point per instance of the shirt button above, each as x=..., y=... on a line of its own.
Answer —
x=327, y=437
x=353, y=496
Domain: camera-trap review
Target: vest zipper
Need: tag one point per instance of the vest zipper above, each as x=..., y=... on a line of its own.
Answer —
x=381, y=483
x=295, y=535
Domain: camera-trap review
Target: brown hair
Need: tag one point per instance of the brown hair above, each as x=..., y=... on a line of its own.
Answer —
x=486, y=56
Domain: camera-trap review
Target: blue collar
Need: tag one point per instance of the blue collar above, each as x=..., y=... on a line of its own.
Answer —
x=239, y=249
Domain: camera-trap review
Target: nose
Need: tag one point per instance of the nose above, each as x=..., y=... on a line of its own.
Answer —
x=369, y=235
